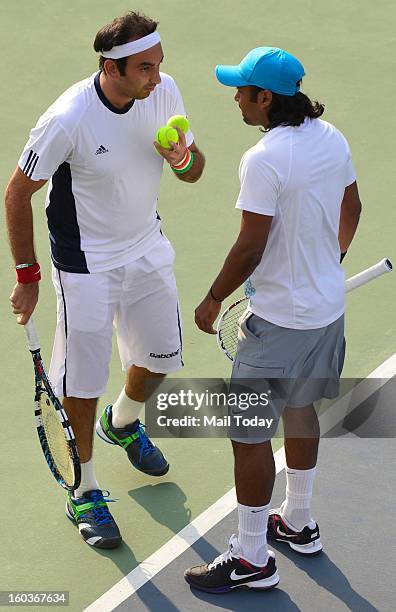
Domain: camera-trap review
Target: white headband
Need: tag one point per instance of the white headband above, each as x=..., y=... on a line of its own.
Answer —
x=130, y=48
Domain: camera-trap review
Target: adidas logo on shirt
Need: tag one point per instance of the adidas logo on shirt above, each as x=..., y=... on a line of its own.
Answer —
x=101, y=150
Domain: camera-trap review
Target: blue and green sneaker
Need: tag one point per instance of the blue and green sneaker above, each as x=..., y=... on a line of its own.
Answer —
x=93, y=519
x=142, y=453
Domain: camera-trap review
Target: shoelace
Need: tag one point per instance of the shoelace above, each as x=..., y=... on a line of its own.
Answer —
x=101, y=514
x=146, y=446
x=225, y=556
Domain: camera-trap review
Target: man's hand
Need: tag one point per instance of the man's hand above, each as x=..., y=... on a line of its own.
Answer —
x=206, y=314
x=19, y=217
x=174, y=155
x=23, y=301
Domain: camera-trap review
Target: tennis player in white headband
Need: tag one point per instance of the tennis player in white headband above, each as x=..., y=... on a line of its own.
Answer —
x=111, y=262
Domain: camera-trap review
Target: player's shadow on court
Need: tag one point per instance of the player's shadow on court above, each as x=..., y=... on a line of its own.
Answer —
x=275, y=600
x=327, y=575
x=165, y=502
x=124, y=558
x=320, y=569
x=372, y=418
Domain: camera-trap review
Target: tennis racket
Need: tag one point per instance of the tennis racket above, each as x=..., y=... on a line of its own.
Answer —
x=54, y=430
x=227, y=326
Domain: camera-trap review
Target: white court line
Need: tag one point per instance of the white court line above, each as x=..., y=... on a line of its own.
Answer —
x=180, y=542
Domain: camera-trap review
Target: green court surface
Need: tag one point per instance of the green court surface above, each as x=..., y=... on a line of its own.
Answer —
x=348, y=50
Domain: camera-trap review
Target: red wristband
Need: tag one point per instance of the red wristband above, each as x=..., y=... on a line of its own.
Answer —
x=30, y=274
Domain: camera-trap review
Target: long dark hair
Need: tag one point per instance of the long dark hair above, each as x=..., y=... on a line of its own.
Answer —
x=120, y=31
x=290, y=110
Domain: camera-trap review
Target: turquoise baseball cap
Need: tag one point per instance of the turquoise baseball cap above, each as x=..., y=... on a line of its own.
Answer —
x=265, y=67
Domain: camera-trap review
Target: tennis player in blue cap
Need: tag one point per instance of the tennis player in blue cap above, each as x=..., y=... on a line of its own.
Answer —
x=300, y=210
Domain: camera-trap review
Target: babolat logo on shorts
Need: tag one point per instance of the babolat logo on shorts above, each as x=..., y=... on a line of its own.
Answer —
x=164, y=355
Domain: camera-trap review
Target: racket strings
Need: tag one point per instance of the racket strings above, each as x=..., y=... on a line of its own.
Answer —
x=228, y=331
x=56, y=439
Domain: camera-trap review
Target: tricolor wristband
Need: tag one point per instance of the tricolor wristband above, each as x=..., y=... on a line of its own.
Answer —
x=185, y=163
x=28, y=273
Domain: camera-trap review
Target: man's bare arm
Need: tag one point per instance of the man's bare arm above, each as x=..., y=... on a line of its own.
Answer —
x=19, y=219
x=241, y=261
x=349, y=216
x=245, y=255
x=19, y=216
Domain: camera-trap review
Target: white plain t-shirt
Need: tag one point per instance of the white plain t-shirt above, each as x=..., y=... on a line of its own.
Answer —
x=104, y=174
x=298, y=176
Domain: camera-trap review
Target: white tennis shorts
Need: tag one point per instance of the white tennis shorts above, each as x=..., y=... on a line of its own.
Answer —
x=139, y=299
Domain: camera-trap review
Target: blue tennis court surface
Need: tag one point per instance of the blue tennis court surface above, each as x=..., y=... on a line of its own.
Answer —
x=353, y=498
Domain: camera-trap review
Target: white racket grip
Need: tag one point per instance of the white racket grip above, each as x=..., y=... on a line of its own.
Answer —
x=382, y=267
x=32, y=339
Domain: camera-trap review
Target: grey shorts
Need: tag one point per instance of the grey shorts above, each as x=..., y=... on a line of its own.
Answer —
x=293, y=367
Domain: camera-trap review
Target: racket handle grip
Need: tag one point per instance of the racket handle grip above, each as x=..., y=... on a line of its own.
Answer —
x=32, y=339
x=382, y=267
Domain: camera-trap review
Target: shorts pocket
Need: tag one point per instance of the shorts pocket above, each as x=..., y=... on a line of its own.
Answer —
x=253, y=369
x=247, y=327
x=249, y=345
x=85, y=298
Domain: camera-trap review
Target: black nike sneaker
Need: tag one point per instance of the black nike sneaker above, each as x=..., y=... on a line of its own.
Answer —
x=307, y=541
x=93, y=519
x=230, y=571
x=142, y=453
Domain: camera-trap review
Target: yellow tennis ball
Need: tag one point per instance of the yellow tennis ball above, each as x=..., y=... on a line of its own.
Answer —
x=179, y=121
x=166, y=134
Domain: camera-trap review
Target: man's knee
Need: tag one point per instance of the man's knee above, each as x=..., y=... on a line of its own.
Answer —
x=248, y=450
x=78, y=403
x=140, y=373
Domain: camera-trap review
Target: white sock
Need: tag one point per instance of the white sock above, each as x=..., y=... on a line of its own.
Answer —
x=88, y=479
x=252, y=533
x=296, y=507
x=125, y=410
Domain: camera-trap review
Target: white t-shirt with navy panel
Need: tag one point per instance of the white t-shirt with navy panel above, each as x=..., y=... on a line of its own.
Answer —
x=104, y=174
x=298, y=175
